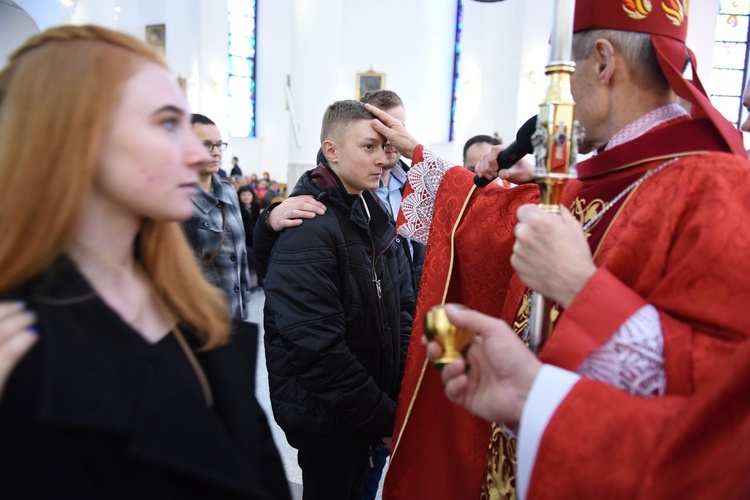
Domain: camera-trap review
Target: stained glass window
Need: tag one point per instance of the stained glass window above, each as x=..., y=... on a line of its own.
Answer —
x=456, y=64
x=729, y=72
x=241, y=63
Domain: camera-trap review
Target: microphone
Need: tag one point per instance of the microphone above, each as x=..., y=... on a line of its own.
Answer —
x=515, y=150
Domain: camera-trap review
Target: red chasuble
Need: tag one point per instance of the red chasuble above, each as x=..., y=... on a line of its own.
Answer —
x=440, y=449
x=677, y=241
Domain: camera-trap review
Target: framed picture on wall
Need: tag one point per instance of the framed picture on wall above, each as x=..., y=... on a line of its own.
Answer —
x=369, y=81
x=156, y=36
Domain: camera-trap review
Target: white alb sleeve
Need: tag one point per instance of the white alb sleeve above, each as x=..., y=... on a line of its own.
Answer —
x=550, y=387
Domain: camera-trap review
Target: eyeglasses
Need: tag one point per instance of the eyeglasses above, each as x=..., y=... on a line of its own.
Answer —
x=221, y=146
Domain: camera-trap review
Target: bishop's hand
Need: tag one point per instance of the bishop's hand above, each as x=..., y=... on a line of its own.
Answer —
x=551, y=254
x=394, y=131
x=501, y=372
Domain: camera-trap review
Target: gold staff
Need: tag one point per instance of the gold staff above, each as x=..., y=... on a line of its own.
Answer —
x=555, y=141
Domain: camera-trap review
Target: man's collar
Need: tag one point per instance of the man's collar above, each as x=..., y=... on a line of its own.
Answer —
x=398, y=173
x=678, y=137
x=650, y=120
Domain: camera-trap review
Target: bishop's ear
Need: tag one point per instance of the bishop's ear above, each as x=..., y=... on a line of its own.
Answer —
x=604, y=57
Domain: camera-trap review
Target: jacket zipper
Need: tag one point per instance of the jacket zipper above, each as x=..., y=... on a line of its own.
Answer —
x=378, y=288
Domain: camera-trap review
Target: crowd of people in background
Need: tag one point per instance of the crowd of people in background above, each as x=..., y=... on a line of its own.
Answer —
x=255, y=196
x=266, y=190
x=127, y=351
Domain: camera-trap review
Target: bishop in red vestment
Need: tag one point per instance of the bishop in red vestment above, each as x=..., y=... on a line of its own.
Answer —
x=663, y=207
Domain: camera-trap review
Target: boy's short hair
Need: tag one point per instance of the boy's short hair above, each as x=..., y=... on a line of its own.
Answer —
x=382, y=99
x=341, y=113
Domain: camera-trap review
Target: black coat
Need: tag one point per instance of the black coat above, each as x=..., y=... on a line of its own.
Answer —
x=93, y=411
x=416, y=253
x=250, y=215
x=338, y=318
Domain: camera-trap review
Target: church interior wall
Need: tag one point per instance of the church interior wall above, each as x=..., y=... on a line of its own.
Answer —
x=318, y=46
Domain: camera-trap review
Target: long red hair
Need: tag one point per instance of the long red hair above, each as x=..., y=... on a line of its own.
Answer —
x=57, y=97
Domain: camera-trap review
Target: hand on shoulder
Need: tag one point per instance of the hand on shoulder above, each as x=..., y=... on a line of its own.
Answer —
x=292, y=212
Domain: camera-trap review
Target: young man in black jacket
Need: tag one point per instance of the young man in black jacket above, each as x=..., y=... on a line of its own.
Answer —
x=390, y=192
x=338, y=313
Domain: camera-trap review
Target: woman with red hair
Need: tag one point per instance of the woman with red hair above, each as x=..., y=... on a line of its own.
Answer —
x=134, y=387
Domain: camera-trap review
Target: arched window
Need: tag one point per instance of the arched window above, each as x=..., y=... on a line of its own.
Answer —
x=241, y=54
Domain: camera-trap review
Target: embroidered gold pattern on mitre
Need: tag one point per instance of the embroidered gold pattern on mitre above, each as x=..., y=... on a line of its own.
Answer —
x=637, y=9
x=676, y=11
x=584, y=211
x=500, y=471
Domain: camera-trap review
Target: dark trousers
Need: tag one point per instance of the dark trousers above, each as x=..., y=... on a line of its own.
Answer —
x=335, y=477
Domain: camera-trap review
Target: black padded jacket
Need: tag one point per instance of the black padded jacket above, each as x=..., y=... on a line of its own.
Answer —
x=338, y=314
